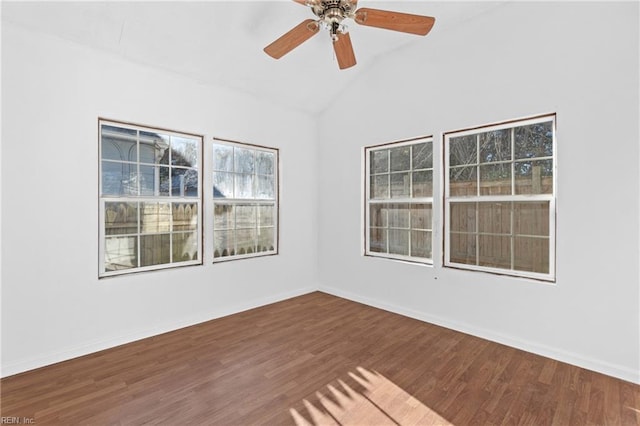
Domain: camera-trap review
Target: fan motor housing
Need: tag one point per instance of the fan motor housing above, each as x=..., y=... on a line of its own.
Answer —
x=331, y=11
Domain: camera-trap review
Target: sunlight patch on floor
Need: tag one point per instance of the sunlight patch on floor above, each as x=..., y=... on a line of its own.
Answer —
x=381, y=402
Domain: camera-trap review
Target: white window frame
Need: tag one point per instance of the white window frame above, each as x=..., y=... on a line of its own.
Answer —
x=550, y=198
x=131, y=198
x=368, y=201
x=248, y=201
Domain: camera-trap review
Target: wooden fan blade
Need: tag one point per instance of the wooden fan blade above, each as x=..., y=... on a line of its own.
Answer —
x=396, y=21
x=344, y=51
x=292, y=39
x=302, y=2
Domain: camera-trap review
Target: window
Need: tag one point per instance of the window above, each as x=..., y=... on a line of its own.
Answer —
x=500, y=198
x=150, y=202
x=398, y=198
x=245, y=199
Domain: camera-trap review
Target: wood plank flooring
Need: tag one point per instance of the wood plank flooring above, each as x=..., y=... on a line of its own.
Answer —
x=315, y=360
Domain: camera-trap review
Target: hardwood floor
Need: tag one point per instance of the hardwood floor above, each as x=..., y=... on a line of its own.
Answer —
x=312, y=360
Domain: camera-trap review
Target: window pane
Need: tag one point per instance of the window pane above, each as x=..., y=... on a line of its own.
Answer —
x=184, y=152
x=463, y=181
x=223, y=216
x=245, y=216
x=184, y=182
x=165, y=181
x=495, y=146
x=494, y=251
x=266, y=215
x=531, y=218
x=148, y=180
x=244, y=185
x=463, y=150
x=120, y=253
x=463, y=248
x=119, y=144
x=148, y=153
x=421, y=244
x=154, y=148
x=379, y=161
x=400, y=185
x=245, y=241
x=494, y=218
x=534, y=177
x=422, y=183
x=422, y=156
x=154, y=249
x=378, y=240
x=223, y=243
x=155, y=217
x=247, y=174
x=185, y=246
x=265, y=162
x=531, y=254
x=403, y=173
x=399, y=241
x=421, y=215
x=463, y=217
x=265, y=189
x=244, y=160
x=378, y=215
x=223, y=158
x=185, y=216
x=223, y=185
x=266, y=240
x=119, y=179
x=121, y=218
x=154, y=180
x=380, y=187
x=398, y=215
x=535, y=140
x=135, y=192
x=400, y=158
x=495, y=179
x=511, y=232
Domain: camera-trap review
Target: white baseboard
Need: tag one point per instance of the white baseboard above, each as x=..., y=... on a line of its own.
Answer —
x=97, y=345
x=578, y=360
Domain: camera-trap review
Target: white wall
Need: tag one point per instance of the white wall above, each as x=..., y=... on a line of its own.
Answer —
x=53, y=305
x=579, y=60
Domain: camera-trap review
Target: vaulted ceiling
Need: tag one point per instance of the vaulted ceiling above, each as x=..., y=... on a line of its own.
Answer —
x=221, y=42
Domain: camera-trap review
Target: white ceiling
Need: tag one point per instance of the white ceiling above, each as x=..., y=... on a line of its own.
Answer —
x=221, y=42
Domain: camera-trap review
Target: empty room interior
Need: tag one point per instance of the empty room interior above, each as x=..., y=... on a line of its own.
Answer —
x=322, y=212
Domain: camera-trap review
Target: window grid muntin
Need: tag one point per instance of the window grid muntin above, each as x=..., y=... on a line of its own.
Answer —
x=171, y=232
x=478, y=164
x=409, y=228
x=142, y=233
x=390, y=200
x=235, y=202
x=256, y=224
x=513, y=198
x=139, y=199
x=512, y=234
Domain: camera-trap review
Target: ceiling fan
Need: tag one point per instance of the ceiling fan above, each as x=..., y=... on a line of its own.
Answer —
x=330, y=15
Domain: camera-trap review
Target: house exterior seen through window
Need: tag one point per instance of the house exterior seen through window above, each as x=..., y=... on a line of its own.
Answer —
x=399, y=200
x=150, y=201
x=245, y=200
x=500, y=198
